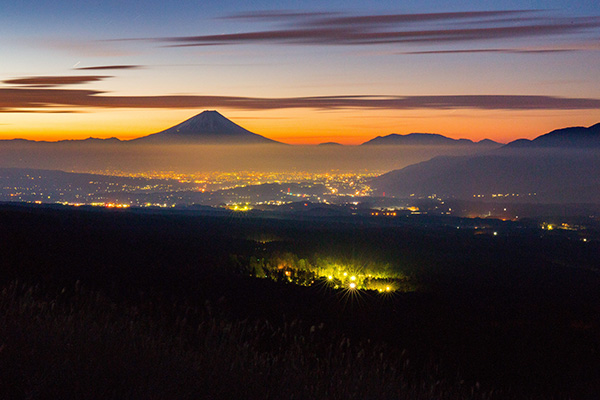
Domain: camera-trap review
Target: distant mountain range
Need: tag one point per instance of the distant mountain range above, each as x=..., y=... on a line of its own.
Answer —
x=210, y=127
x=425, y=139
x=330, y=144
x=89, y=140
x=562, y=166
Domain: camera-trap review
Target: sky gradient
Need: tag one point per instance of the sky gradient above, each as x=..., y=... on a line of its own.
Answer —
x=299, y=72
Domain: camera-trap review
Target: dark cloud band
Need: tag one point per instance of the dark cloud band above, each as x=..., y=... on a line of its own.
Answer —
x=504, y=51
x=22, y=99
x=108, y=67
x=276, y=15
x=356, y=36
x=50, y=81
x=413, y=18
x=429, y=28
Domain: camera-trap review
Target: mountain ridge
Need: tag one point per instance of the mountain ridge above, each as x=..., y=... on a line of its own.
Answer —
x=520, y=171
x=210, y=127
x=573, y=137
x=426, y=139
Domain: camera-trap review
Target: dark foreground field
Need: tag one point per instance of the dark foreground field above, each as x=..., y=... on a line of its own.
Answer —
x=99, y=304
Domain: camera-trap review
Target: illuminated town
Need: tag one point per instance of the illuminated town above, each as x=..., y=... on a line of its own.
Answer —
x=297, y=191
x=239, y=191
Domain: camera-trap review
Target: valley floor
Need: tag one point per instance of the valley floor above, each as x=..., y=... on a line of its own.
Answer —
x=131, y=304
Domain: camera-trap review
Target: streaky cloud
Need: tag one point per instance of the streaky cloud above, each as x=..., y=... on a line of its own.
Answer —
x=422, y=17
x=391, y=28
x=16, y=99
x=43, y=111
x=505, y=51
x=276, y=15
x=337, y=18
x=108, y=67
x=51, y=81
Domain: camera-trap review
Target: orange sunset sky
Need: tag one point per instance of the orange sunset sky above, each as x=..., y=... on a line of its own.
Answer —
x=299, y=73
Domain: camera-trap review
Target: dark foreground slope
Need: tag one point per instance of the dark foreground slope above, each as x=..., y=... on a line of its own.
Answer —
x=100, y=304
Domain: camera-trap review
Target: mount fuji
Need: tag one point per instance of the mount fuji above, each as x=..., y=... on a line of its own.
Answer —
x=208, y=127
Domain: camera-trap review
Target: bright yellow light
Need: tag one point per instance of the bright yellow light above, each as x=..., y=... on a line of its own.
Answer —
x=237, y=207
x=352, y=278
x=330, y=277
x=345, y=274
x=352, y=285
x=387, y=288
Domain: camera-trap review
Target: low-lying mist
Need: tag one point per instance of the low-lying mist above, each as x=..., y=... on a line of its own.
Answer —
x=126, y=157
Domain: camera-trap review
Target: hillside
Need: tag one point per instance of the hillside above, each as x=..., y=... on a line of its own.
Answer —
x=553, y=168
x=573, y=137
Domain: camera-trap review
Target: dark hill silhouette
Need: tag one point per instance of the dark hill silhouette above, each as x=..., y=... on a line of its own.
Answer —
x=538, y=171
x=330, y=144
x=90, y=140
x=577, y=137
x=208, y=127
x=424, y=139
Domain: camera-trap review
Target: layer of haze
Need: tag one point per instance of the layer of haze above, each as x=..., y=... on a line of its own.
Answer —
x=193, y=159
